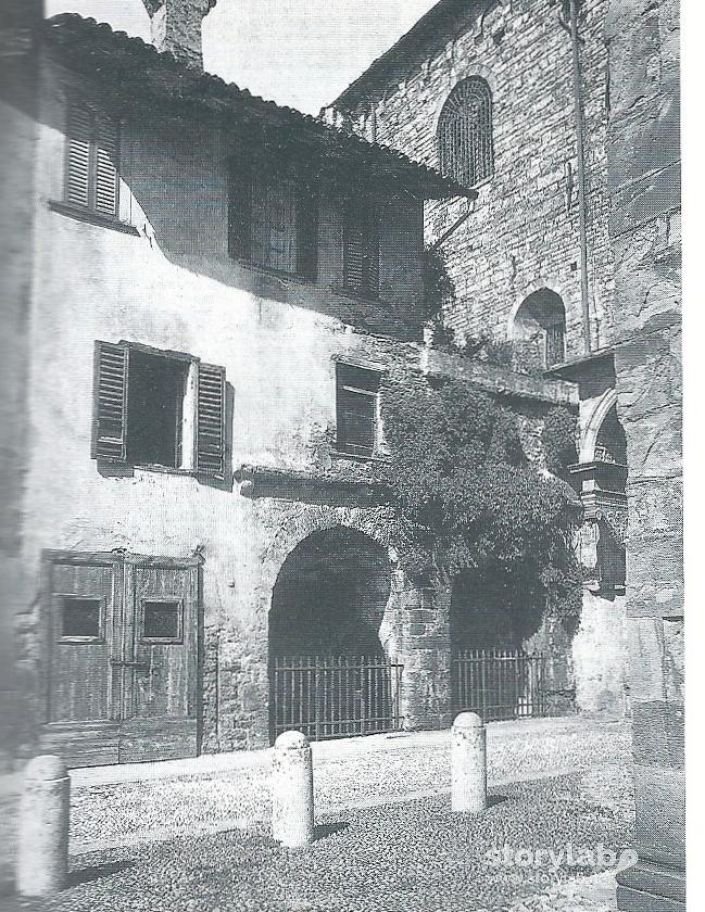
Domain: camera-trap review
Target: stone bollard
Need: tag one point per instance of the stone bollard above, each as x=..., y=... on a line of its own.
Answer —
x=292, y=790
x=42, y=859
x=468, y=757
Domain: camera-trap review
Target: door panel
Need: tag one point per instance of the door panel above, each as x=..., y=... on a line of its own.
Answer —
x=122, y=658
x=160, y=679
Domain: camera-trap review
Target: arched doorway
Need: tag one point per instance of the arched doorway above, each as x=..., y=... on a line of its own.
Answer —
x=491, y=619
x=539, y=329
x=329, y=676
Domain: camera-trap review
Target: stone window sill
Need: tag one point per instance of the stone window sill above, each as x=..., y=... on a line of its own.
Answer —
x=359, y=457
x=82, y=214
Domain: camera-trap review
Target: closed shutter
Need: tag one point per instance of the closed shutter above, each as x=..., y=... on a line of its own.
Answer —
x=240, y=211
x=210, y=421
x=110, y=404
x=361, y=249
x=78, y=155
x=307, y=233
x=106, y=173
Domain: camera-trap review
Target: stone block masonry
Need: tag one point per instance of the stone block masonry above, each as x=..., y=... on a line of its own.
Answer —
x=523, y=234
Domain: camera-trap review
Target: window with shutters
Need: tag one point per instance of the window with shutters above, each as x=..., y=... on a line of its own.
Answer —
x=273, y=222
x=92, y=149
x=357, y=407
x=465, y=143
x=361, y=248
x=160, y=409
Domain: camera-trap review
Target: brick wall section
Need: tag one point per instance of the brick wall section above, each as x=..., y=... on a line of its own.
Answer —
x=524, y=233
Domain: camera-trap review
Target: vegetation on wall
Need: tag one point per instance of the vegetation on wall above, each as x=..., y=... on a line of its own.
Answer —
x=559, y=440
x=469, y=501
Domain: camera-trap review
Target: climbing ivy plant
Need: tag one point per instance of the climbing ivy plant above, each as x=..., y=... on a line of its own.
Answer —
x=467, y=498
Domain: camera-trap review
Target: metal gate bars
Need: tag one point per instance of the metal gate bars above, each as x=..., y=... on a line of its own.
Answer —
x=334, y=696
x=498, y=684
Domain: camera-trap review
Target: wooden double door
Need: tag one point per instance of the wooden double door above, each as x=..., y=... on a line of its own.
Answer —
x=121, y=650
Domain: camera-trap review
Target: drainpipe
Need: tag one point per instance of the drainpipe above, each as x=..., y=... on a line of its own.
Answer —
x=582, y=196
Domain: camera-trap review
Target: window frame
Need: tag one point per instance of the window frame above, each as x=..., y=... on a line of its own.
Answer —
x=145, y=640
x=58, y=599
x=242, y=187
x=204, y=412
x=348, y=385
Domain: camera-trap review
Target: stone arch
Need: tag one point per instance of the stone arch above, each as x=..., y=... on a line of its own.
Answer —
x=330, y=595
x=595, y=420
x=538, y=324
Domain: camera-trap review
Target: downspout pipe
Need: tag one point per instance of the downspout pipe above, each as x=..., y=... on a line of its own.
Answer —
x=582, y=181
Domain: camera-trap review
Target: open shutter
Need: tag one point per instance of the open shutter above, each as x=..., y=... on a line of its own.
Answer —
x=210, y=422
x=240, y=211
x=371, y=261
x=78, y=155
x=106, y=172
x=110, y=406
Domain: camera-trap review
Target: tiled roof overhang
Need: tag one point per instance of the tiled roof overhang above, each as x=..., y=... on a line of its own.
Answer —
x=136, y=70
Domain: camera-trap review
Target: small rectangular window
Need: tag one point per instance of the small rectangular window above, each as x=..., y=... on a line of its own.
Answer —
x=92, y=146
x=357, y=406
x=80, y=618
x=161, y=621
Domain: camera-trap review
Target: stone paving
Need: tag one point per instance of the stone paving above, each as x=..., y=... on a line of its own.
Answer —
x=135, y=807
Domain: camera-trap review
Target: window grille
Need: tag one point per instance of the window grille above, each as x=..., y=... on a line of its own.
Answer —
x=465, y=145
x=92, y=160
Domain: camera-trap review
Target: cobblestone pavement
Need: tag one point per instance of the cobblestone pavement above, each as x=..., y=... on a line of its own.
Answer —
x=130, y=805
x=403, y=857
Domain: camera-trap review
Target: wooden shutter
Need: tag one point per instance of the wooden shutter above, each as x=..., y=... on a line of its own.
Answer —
x=361, y=249
x=240, y=211
x=110, y=402
x=353, y=255
x=371, y=255
x=106, y=172
x=307, y=233
x=78, y=155
x=210, y=421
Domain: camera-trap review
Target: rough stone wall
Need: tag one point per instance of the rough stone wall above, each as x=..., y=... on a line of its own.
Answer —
x=523, y=234
x=644, y=166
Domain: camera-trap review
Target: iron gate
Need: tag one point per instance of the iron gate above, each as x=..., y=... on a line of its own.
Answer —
x=498, y=684
x=334, y=696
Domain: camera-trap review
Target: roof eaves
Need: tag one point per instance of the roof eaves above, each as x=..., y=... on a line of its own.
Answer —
x=211, y=91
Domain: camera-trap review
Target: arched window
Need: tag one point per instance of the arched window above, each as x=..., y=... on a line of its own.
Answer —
x=465, y=133
x=539, y=327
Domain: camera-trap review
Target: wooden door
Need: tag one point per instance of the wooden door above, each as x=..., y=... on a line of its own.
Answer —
x=160, y=662
x=121, y=654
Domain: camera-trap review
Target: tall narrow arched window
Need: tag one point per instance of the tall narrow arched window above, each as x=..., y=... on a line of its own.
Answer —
x=465, y=147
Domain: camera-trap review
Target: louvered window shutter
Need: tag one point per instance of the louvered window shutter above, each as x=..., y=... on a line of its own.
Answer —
x=78, y=155
x=371, y=258
x=110, y=403
x=354, y=247
x=307, y=233
x=240, y=211
x=210, y=423
x=106, y=173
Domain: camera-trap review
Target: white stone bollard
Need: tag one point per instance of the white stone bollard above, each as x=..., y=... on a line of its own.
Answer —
x=292, y=790
x=42, y=859
x=468, y=757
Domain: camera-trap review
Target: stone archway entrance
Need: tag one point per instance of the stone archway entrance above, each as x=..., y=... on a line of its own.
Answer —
x=329, y=676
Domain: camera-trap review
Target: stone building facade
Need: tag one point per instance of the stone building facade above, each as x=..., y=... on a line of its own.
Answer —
x=644, y=171
x=530, y=259
x=192, y=413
